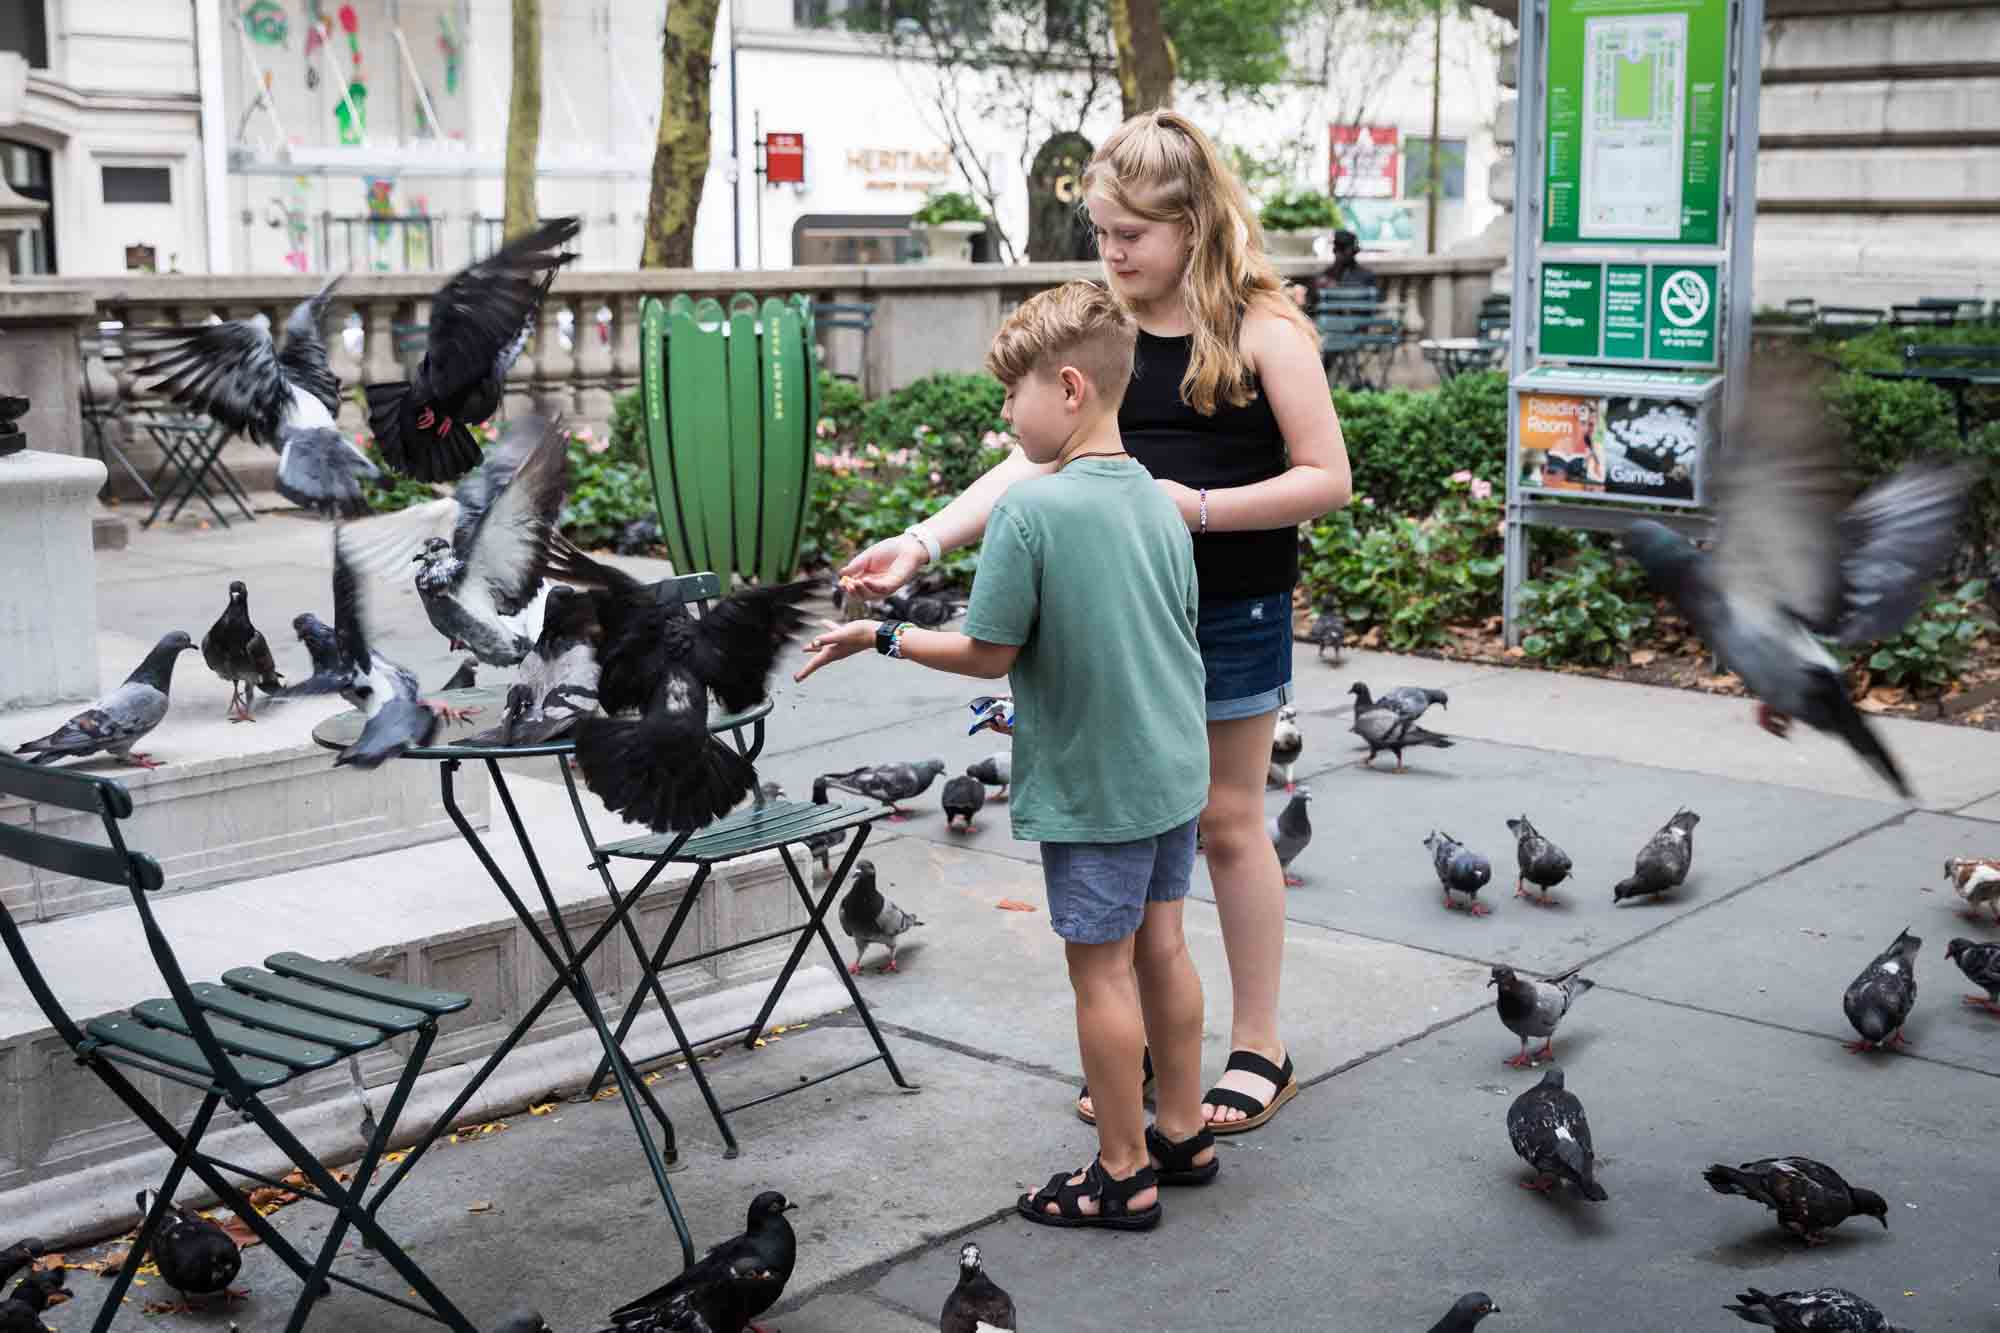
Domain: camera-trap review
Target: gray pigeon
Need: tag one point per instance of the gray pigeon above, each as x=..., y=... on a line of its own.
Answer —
x=1383, y=727
x=1290, y=830
x=1810, y=1198
x=1465, y=1313
x=1797, y=560
x=193, y=1254
x=889, y=783
x=1546, y=1125
x=1408, y=702
x=1663, y=862
x=1821, y=1310
x=1879, y=1000
x=995, y=770
x=557, y=687
x=1287, y=744
x=320, y=645
x=122, y=718
x=869, y=918
x=977, y=1304
x=236, y=651
x=1976, y=880
x=1981, y=965
x=1543, y=864
x=1460, y=870
x=963, y=795
x=1329, y=630
x=1531, y=1008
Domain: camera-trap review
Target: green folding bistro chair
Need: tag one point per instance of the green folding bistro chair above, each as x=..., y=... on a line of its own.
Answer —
x=233, y=1042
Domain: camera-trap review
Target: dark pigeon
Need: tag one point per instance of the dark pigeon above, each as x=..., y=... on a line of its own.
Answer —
x=1530, y=1008
x=1809, y=1197
x=963, y=795
x=122, y=718
x=1328, y=630
x=1465, y=1313
x=977, y=1304
x=869, y=918
x=1663, y=862
x=194, y=1255
x=995, y=770
x=1548, y=1130
x=731, y=1284
x=889, y=783
x=1981, y=965
x=1821, y=1310
x=18, y=1256
x=320, y=643
x=926, y=611
x=480, y=321
x=1385, y=728
x=236, y=651
x=1543, y=864
x=1879, y=1000
x=21, y=1312
x=679, y=1314
x=1290, y=830
x=1287, y=744
x=1410, y=702
x=465, y=678
x=557, y=685
x=1796, y=560
x=1460, y=870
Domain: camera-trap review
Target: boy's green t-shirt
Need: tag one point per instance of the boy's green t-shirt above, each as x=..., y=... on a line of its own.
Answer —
x=1091, y=571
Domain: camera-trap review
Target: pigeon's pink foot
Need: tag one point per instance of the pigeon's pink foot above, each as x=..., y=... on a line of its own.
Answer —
x=1001, y=796
x=1521, y=1061
x=1981, y=1002
x=896, y=814
x=1449, y=905
x=144, y=760
x=1857, y=1047
x=890, y=966
x=854, y=969
x=1480, y=909
x=1969, y=913
x=971, y=827
x=451, y=712
x=1771, y=720
x=1291, y=787
x=1897, y=1038
x=1520, y=888
x=1548, y=1051
x=1293, y=881
x=1540, y=1184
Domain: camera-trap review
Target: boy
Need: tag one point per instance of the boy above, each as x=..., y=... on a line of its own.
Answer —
x=1085, y=599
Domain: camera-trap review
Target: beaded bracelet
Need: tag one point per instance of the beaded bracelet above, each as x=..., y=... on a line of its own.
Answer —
x=1203, y=530
x=896, y=639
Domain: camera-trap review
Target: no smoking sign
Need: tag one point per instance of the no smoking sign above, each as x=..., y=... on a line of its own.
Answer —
x=1683, y=308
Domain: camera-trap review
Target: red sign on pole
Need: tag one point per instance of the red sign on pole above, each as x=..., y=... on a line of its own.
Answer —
x=1364, y=161
x=785, y=158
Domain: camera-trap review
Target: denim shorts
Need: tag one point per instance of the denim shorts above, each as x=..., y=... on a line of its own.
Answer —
x=1246, y=647
x=1098, y=891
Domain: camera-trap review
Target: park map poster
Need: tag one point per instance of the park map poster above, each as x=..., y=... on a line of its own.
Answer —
x=1636, y=122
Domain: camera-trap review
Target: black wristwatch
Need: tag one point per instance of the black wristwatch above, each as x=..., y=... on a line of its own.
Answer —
x=885, y=636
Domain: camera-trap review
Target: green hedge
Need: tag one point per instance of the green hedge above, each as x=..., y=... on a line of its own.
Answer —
x=1404, y=444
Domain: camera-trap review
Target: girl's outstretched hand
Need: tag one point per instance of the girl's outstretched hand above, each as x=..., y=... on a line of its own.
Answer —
x=837, y=641
x=883, y=568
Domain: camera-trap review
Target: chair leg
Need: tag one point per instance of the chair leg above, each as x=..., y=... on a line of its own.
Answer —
x=183, y=1157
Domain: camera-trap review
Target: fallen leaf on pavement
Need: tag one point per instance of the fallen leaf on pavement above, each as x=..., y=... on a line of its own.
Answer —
x=1643, y=656
x=480, y=1206
x=241, y=1234
x=1014, y=905
x=544, y=1108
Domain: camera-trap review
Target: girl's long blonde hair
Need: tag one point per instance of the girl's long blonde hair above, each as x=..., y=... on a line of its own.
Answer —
x=1161, y=167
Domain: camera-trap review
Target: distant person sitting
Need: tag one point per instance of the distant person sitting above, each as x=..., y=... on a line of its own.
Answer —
x=1345, y=271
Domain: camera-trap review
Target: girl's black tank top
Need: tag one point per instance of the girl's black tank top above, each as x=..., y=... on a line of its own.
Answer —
x=1237, y=446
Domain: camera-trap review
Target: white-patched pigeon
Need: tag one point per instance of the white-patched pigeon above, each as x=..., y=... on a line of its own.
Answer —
x=1663, y=862
x=1547, y=1127
x=1880, y=999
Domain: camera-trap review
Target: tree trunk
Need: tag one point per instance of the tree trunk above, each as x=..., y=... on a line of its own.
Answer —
x=524, y=119
x=680, y=159
x=1146, y=62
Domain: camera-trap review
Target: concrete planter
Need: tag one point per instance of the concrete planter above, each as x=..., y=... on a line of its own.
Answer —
x=950, y=242
x=1291, y=244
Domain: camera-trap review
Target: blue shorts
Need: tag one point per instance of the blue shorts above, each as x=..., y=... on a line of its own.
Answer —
x=1098, y=891
x=1246, y=647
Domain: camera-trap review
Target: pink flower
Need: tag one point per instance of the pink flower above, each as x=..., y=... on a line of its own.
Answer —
x=1462, y=476
x=872, y=451
x=922, y=431
x=1500, y=528
x=1481, y=488
x=937, y=478
x=822, y=459
x=825, y=429
x=598, y=446
x=1367, y=502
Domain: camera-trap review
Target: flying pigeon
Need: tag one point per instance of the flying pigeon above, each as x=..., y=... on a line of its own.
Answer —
x=1531, y=1008
x=1329, y=630
x=995, y=770
x=734, y=1282
x=1809, y=1197
x=1379, y=723
x=1821, y=1310
x=1460, y=870
x=1547, y=1128
x=963, y=795
x=465, y=678
x=869, y=918
x=1287, y=743
x=557, y=684
x=1879, y=1000
x=1663, y=862
x=1981, y=965
x=21, y=1312
x=235, y=650
x=480, y=321
x=977, y=1302
x=194, y=1255
x=1796, y=560
x=18, y=1256
x=1465, y=1313
x=122, y=718
x=1543, y=864
x=1977, y=881
x=1290, y=830
x=286, y=398
x=889, y=783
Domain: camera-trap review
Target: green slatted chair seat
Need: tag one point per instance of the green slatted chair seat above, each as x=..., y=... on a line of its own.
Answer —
x=351, y=981
x=285, y=1018
x=753, y=830
x=124, y=1033
x=332, y=1003
x=240, y=1038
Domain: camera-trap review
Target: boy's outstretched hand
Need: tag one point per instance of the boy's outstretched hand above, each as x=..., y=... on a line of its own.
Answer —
x=837, y=641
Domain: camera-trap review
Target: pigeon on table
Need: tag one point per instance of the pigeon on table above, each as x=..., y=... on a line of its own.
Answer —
x=481, y=319
x=1543, y=864
x=1460, y=870
x=734, y=1282
x=1821, y=1310
x=963, y=795
x=21, y=1312
x=557, y=684
x=286, y=398
x=1796, y=560
x=1981, y=965
x=889, y=783
x=1287, y=744
x=1328, y=630
x=1380, y=724
x=1810, y=1198
x=1546, y=1125
x=1879, y=1000
x=1663, y=862
x=1976, y=880
x=1465, y=1313
x=465, y=678
x=18, y=1256
x=1290, y=830
x=194, y=1255
x=122, y=718
x=995, y=770
x=869, y=918
x=1531, y=1008
x=977, y=1304
x=236, y=651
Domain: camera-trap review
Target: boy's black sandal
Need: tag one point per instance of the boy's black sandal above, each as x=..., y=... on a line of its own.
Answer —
x=1255, y=1112
x=1114, y=1200
x=1176, y=1160
x=1089, y=1117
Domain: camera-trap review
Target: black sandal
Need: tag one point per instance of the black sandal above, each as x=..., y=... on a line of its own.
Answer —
x=1114, y=1197
x=1146, y=1090
x=1176, y=1160
x=1255, y=1112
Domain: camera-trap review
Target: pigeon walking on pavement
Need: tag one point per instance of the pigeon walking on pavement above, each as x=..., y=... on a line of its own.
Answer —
x=1981, y=965
x=1543, y=864
x=1810, y=1198
x=1460, y=870
x=977, y=1304
x=889, y=783
x=733, y=1283
x=1386, y=727
x=1531, y=1008
x=1329, y=630
x=236, y=651
x=1821, y=1310
x=963, y=795
x=869, y=918
x=1406, y=701
x=1879, y=1000
x=1663, y=862
x=1465, y=1313
x=995, y=770
x=1290, y=830
x=122, y=718
x=1287, y=743
x=1976, y=880
x=1546, y=1125
x=194, y=1255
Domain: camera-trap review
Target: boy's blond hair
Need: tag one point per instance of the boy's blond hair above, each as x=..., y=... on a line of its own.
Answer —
x=1077, y=324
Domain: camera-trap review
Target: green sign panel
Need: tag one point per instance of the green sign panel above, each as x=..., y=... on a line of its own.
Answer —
x=1571, y=296
x=1684, y=302
x=1625, y=312
x=1631, y=312
x=1636, y=107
